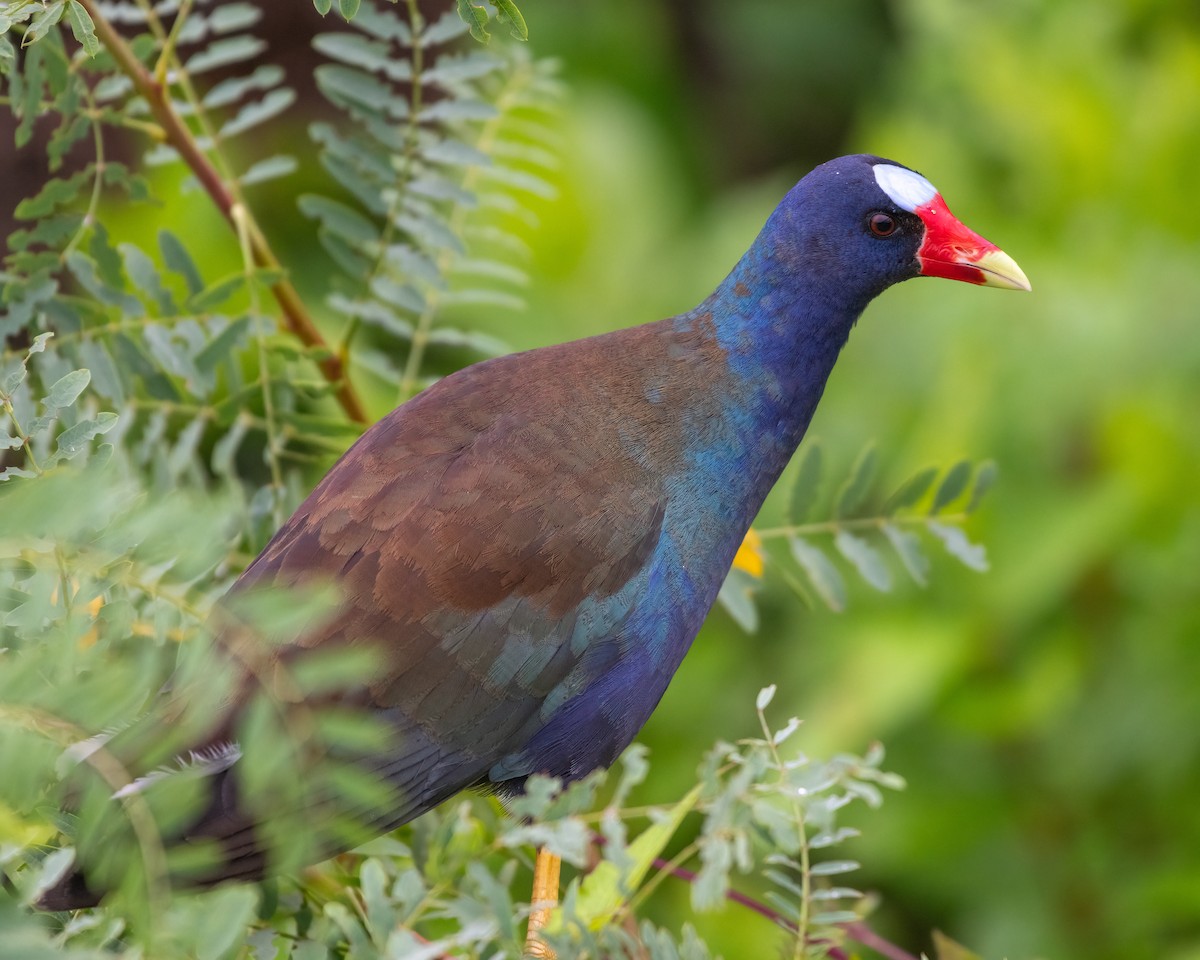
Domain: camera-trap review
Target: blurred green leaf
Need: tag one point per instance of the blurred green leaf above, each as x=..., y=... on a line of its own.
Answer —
x=607, y=887
x=856, y=486
x=66, y=390
x=807, y=486
x=909, y=492
x=952, y=486
x=821, y=572
x=82, y=28
x=957, y=545
x=865, y=558
x=985, y=476
x=908, y=549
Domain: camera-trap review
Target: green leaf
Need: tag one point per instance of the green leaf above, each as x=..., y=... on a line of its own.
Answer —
x=222, y=921
x=231, y=17
x=259, y=111
x=16, y=377
x=66, y=389
x=344, y=221
x=455, y=153
x=177, y=259
x=141, y=270
x=216, y=293
x=225, y=52
x=68, y=133
x=348, y=87
x=475, y=340
x=27, y=104
x=223, y=344
x=737, y=597
x=348, y=8
x=106, y=380
x=865, y=558
x=108, y=261
x=55, y=193
x=908, y=549
x=507, y=10
x=374, y=312
x=225, y=449
x=604, y=890
x=323, y=671
x=854, y=491
x=87, y=271
x=279, y=165
x=384, y=24
x=323, y=6
x=447, y=27
x=118, y=175
x=828, y=918
x=952, y=486
x=808, y=483
x=821, y=572
x=75, y=438
x=234, y=88
x=83, y=28
x=955, y=540
x=476, y=19
x=910, y=491
x=946, y=949
x=828, y=868
x=354, y=49
x=985, y=476
x=50, y=14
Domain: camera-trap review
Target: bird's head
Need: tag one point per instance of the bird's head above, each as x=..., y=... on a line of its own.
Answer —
x=866, y=220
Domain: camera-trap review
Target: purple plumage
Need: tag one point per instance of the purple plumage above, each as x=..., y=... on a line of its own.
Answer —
x=531, y=544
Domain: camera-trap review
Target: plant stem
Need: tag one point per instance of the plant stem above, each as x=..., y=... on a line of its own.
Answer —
x=858, y=523
x=801, y=835
x=296, y=317
x=484, y=143
x=859, y=932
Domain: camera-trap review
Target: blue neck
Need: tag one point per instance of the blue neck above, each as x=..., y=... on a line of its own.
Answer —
x=780, y=324
x=782, y=331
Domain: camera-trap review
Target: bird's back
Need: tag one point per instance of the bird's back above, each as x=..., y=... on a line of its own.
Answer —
x=501, y=543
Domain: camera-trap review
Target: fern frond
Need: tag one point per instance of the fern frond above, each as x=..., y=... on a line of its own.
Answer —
x=428, y=158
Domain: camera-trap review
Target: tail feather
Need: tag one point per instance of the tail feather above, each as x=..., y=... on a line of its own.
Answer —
x=422, y=776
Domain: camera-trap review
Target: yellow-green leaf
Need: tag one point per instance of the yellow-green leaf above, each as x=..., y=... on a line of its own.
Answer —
x=604, y=890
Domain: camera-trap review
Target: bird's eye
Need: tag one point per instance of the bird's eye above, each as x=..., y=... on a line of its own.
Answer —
x=881, y=224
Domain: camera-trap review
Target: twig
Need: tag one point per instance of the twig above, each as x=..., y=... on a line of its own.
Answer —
x=858, y=523
x=859, y=932
x=176, y=133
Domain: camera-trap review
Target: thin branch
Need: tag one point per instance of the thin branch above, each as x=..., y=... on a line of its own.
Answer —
x=860, y=523
x=296, y=317
x=801, y=928
x=858, y=931
x=485, y=142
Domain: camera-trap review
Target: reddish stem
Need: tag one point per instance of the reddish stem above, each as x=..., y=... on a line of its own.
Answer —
x=295, y=315
x=858, y=931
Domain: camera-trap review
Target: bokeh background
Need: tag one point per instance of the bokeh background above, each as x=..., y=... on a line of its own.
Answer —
x=1046, y=714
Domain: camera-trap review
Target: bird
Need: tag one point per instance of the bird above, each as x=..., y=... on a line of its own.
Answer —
x=530, y=545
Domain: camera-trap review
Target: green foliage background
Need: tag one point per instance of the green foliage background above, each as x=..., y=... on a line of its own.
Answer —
x=1044, y=715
